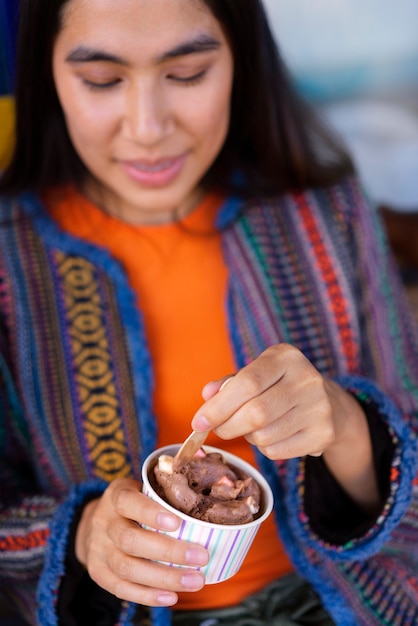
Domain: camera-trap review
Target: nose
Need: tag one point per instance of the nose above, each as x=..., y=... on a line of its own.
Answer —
x=147, y=118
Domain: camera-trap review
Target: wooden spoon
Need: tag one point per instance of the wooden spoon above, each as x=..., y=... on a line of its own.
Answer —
x=193, y=442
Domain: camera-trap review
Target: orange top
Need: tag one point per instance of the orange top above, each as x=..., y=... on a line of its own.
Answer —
x=180, y=277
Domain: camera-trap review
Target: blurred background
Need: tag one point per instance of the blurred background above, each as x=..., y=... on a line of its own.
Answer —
x=338, y=48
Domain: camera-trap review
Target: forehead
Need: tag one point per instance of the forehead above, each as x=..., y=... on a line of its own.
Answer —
x=136, y=27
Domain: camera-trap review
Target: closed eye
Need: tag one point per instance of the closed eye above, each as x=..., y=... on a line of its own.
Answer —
x=98, y=85
x=188, y=80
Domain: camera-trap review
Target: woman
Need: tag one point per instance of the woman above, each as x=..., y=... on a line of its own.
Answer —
x=165, y=169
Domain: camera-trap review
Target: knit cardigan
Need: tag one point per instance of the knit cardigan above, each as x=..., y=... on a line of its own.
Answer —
x=76, y=380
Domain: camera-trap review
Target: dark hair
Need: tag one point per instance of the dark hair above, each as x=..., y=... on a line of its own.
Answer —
x=275, y=141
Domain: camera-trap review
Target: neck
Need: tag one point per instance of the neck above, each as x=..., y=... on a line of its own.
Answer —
x=112, y=205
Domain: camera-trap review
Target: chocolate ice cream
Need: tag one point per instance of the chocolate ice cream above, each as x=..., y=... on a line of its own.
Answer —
x=208, y=489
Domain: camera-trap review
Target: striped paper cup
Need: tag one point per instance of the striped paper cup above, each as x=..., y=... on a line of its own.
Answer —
x=227, y=545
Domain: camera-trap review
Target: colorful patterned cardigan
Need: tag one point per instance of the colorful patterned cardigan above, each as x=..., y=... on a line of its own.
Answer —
x=76, y=378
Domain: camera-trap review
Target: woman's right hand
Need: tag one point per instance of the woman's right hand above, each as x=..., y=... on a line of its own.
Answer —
x=119, y=554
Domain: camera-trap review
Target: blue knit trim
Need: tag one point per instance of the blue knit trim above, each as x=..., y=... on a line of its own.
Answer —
x=54, y=565
x=331, y=597
x=228, y=212
x=131, y=317
x=161, y=616
x=234, y=334
x=366, y=546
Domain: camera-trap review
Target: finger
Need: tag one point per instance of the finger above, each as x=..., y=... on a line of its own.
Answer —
x=283, y=410
x=298, y=445
x=268, y=417
x=311, y=421
x=158, y=575
x=248, y=383
x=144, y=582
x=132, y=592
x=210, y=389
x=278, y=414
x=135, y=541
x=130, y=503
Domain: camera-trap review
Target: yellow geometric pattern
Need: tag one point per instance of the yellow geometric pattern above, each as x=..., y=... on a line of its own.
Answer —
x=102, y=426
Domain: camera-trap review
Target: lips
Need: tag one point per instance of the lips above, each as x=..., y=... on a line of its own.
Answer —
x=154, y=173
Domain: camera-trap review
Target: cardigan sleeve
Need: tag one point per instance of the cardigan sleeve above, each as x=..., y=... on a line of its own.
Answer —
x=25, y=513
x=80, y=599
x=332, y=513
x=66, y=594
x=34, y=528
x=386, y=384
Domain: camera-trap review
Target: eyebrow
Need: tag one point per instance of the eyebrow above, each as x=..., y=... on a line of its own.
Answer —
x=201, y=43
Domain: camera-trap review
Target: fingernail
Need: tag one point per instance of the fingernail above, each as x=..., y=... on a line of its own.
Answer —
x=200, y=423
x=196, y=556
x=167, y=521
x=166, y=599
x=192, y=581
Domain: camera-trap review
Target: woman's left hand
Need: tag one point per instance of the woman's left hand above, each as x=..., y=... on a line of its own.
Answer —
x=283, y=405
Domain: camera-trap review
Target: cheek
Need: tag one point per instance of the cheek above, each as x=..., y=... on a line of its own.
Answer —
x=218, y=122
x=90, y=137
x=85, y=119
x=211, y=119
x=84, y=137
x=80, y=128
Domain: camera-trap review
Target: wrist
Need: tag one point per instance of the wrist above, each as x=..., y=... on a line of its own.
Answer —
x=350, y=457
x=350, y=421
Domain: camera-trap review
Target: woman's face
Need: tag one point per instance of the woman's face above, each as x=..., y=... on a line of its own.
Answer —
x=145, y=86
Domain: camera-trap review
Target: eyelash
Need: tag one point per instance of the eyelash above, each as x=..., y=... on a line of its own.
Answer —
x=92, y=85
x=188, y=81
